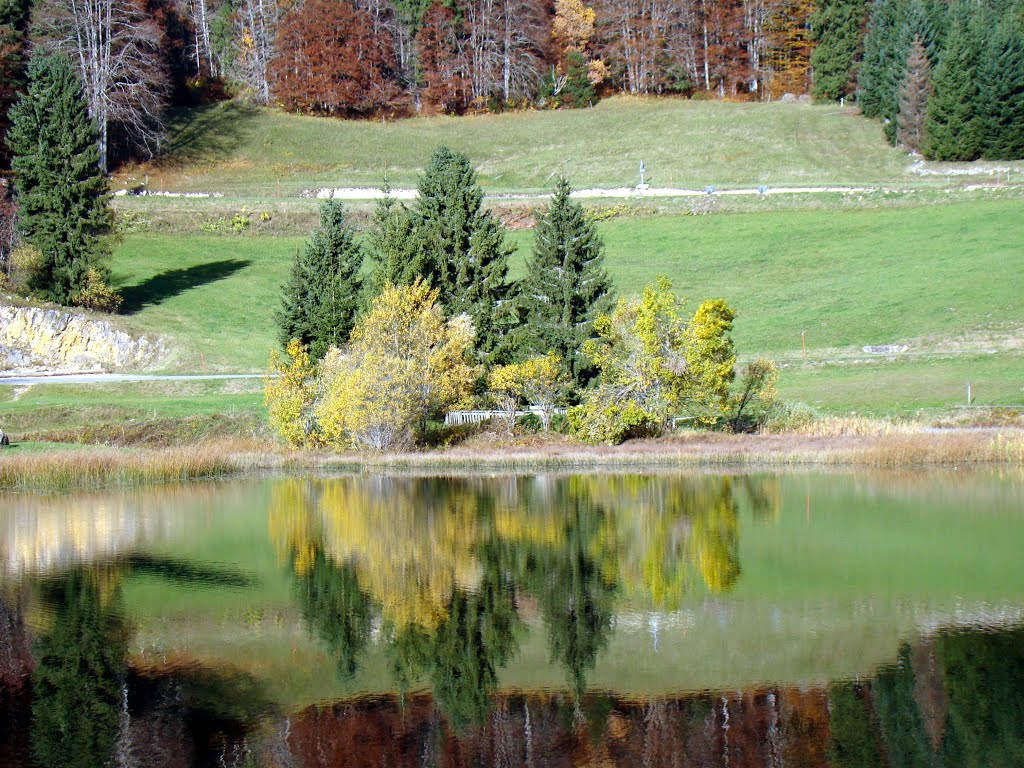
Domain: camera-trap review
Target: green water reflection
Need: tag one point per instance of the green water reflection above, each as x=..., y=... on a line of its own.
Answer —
x=841, y=620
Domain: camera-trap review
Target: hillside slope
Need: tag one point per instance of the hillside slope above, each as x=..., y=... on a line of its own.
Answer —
x=262, y=153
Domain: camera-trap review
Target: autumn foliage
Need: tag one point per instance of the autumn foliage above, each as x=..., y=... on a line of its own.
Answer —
x=332, y=63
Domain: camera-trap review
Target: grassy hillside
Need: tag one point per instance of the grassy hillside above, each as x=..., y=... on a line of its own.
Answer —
x=260, y=153
x=946, y=280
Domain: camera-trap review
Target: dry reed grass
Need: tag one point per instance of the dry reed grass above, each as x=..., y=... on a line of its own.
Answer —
x=65, y=470
x=849, y=426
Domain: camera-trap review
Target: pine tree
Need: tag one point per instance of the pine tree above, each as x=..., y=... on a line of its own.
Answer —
x=323, y=294
x=460, y=247
x=1000, y=102
x=566, y=287
x=837, y=29
x=63, y=198
x=915, y=90
x=951, y=128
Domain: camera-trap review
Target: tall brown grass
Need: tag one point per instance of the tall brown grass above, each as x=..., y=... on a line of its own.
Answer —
x=66, y=470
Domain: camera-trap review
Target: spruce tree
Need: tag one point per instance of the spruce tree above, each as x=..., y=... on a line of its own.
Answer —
x=1000, y=98
x=880, y=52
x=392, y=247
x=915, y=90
x=837, y=30
x=461, y=249
x=13, y=23
x=63, y=198
x=566, y=287
x=951, y=128
x=322, y=297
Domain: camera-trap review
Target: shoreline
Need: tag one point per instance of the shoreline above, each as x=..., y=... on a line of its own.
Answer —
x=99, y=466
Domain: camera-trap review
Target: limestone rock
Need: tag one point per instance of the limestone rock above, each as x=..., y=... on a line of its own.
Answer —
x=57, y=340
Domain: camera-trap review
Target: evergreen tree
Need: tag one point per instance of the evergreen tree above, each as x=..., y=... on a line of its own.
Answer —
x=837, y=29
x=77, y=683
x=322, y=296
x=333, y=603
x=566, y=287
x=880, y=44
x=951, y=128
x=1000, y=98
x=392, y=247
x=65, y=207
x=915, y=90
x=460, y=247
x=13, y=23
x=891, y=31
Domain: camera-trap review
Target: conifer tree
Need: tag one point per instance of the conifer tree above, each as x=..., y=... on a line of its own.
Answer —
x=392, y=247
x=322, y=296
x=891, y=31
x=64, y=204
x=566, y=287
x=13, y=23
x=837, y=29
x=460, y=247
x=879, y=52
x=915, y=90
x=951, y=128
x=1000, y=99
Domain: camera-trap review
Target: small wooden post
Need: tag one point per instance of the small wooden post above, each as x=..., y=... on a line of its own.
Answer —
x=968, y=393
x=803, y=345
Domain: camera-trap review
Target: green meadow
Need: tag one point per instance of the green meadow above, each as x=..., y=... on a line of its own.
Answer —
x=252, y=153
x=944, y=280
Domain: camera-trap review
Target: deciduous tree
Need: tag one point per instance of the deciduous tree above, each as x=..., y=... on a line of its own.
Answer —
x=915, y=90
x=331, y=62
x=405, y=363
x=116, y=48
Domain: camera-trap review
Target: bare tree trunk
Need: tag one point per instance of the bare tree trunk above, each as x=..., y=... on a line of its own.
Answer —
x=117, y=49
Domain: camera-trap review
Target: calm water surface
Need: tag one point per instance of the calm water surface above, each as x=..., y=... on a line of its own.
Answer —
x=536, y=620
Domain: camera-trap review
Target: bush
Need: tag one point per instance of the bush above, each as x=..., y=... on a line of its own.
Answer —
x=96, y=295
x=598, y=421
x=787, y=417
x=25, y=263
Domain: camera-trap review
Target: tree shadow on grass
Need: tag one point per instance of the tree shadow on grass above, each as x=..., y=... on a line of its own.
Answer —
x=173, y=282
x=206, y=133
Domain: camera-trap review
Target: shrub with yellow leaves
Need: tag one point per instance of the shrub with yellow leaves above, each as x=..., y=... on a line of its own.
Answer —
x=405, y=363
x=291, y=394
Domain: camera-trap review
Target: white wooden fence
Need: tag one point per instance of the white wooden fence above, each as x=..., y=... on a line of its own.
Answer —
x=458, y=418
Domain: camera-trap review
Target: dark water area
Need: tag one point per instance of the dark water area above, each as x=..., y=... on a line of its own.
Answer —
x=799, y=619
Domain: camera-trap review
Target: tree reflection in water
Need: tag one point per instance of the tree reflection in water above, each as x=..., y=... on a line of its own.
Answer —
x=441, y=565
x=79, y=680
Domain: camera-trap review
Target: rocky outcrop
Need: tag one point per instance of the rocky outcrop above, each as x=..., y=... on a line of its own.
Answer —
x=54, y=340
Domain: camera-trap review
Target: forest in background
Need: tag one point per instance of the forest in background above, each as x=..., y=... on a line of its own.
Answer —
x=945, y=77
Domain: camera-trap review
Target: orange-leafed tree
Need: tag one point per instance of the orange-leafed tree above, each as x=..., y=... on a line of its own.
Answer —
x=443, y=61
x=331, y=62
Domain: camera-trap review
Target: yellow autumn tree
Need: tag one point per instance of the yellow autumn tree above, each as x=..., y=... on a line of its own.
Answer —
x=573, y=24
x=290, y=394
x=404, y=363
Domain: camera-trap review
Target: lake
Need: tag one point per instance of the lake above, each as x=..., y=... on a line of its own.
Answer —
x=667, y=619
